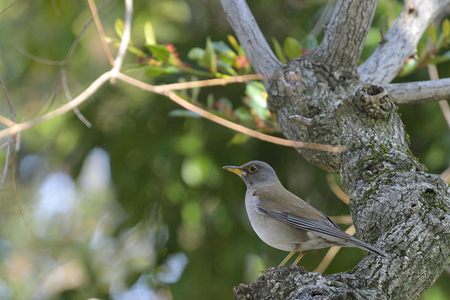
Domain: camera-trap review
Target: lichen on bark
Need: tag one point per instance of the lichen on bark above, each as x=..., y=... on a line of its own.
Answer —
x=395, y=204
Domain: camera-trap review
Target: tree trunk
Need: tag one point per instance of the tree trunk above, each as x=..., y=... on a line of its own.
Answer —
x=396, y=205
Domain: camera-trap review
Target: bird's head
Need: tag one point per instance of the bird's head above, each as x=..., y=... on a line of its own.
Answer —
x=254, y=173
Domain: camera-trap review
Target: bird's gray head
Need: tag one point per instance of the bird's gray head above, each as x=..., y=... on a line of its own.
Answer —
x=254, y=173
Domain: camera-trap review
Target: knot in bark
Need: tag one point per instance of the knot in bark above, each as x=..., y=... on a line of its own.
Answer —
x=374, y=101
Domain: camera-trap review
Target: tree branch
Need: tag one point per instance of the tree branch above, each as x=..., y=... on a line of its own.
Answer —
x=250, y=36
x=401, y=41
x=419, y=91
x=345, y=33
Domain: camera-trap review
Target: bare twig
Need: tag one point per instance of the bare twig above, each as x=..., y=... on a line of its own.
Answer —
x=236, y=127
x=434, y=75
x=336, y=189
x=205, y=83
x=401, y=41
x=82, y=97
x=7, y=122
x=331, y=253
x=347, y=219
x=65, y=87
x=163, y=90
x=101, y=32
x=446, y=175
x=250, y=36
x=125, y=39
x=10, y=149
x=96, y=84
x=419, y=91
x=8, y=6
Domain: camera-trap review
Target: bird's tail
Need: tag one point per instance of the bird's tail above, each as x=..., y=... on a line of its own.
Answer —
x=368, y=247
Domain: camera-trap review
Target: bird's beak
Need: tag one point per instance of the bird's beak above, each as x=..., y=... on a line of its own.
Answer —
x=236, y=170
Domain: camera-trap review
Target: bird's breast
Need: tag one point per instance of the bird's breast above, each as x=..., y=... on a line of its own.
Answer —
x=273, y=232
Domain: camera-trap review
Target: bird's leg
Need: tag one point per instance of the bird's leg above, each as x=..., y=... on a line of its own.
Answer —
x=299, y=257
x=286, y=259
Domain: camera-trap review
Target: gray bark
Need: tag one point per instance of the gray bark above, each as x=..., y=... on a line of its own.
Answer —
x=419, y=91
x=401, y=40
x=396, y=205
x=250, y=36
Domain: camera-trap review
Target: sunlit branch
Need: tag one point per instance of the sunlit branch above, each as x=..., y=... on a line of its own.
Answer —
x=337, y=190
x=434, y=75
x=101, y=32
x=250, y=36
x=226, y=123
x=68, y=94
x=331, y=253
x=205, y=83
x=125, y=39
x=419, y=91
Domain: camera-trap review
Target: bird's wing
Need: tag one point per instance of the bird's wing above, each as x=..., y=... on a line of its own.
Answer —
x=296, y=212
x=299, y=214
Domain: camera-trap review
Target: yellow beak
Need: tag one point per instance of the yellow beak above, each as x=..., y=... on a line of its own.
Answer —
x=236, y=170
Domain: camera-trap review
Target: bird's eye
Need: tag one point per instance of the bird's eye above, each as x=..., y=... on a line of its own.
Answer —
x=252, y=169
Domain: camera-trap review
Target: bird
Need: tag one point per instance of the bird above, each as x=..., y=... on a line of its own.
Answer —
x=286, y=222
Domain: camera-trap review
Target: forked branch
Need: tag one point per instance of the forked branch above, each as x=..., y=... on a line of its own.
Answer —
x=250, y=36
x=345, y=33
x=401, y=40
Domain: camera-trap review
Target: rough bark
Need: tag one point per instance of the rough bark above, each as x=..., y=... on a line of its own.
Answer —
x=250, y=36
x=419, y=91
x=396, y=205
x=345, y=34
x=401, y=40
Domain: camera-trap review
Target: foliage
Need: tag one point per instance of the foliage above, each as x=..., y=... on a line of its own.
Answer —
x=137, y=205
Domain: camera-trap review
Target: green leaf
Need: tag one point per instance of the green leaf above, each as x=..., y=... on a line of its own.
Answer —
x=409, y=67
x=257, y=99
x=196, y=54
x=310, y=41
x=149, y=33
x=279, y=51
x=292, y=48
x=160, y=52
x=210, y=101
x=235, y=44
x=432, y=33
x=446, y=28
x=210, y=56
x=153, y=71
x=238, y=139
x=183, y=113
x=440, y=58
x=118, y=26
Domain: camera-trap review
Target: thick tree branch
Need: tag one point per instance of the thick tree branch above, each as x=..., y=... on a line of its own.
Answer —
x=419, y=91
x=345, y=33
x=401, y=41
x=250, y=36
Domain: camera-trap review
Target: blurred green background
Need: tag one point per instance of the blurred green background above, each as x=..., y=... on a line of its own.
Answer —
x=138, y=207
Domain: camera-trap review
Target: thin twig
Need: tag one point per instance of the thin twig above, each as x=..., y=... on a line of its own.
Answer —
x=101, y=32
x=443, y=104
x=65, y=87
x=346, y=219
x=446, y=175
x=125, y=39
x=331, y=253
x=226, y=123
x=82, y=97
x=205, y=83
x=7, y=122
x=337, y=190
x=10, y=150
x=7, y=7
